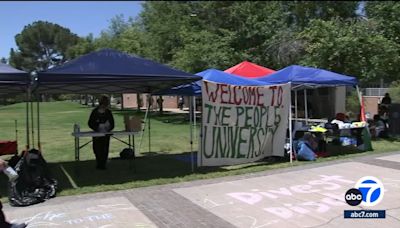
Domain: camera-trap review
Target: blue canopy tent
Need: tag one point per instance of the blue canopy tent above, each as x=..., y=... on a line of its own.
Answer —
x=302, y=77
x=214, y=75
x=308, y=77
x=110, y=71
x=218, y=76
x=191, y=89
x=13, y=82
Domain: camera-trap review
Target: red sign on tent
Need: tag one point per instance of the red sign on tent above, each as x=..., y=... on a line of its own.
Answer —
x=249, y=70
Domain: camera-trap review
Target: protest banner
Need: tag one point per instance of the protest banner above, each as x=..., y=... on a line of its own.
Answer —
x=242, y=124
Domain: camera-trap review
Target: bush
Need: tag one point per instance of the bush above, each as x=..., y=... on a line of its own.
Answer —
x=352, y=102
x=394, y=91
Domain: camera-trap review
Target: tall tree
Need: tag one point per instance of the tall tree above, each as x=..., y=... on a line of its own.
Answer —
x=355, y=48
x=386, y=14
x=41, y=45
x=203, y=50
x=83, y=46
x=162, y=21
x=301, y=13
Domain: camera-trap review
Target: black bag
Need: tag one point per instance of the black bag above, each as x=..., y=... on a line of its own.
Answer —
x=34, y=184
x=127, y=153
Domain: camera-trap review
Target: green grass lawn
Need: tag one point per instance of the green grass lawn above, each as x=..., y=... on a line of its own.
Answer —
x=169, y=141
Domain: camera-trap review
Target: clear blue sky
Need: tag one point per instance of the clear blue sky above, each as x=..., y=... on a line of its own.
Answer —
x=81, y=18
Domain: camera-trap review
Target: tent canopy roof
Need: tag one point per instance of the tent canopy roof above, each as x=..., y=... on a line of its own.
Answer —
x=191, y=89
x=308, y=76
x=110, y=71
x=218, y=76
x=12, y=81
x=213, y=75
x=9, y=70
x=249, y=70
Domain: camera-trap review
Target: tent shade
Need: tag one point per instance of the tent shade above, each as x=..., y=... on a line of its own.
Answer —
x=110, y=71
x=249, y=70
x=12, y=81
x=308, y=76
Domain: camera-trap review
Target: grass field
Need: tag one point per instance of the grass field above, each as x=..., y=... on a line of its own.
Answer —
x=168, y=161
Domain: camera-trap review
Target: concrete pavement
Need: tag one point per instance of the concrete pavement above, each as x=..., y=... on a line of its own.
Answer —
x=303, y=196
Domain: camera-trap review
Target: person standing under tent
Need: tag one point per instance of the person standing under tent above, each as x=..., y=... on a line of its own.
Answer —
x=101, y=120
x=3, y=222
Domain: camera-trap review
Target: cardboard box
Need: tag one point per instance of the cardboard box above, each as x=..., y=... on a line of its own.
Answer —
x=132, y=123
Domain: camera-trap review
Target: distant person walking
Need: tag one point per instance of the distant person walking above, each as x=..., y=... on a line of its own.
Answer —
x=101, y=120
x=180, y=103
x=160, y=104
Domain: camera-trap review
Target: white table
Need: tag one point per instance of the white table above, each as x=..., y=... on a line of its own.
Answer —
x=114, y=134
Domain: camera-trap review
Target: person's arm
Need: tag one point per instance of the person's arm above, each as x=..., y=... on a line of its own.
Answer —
x=111, y=120
x=92, y=121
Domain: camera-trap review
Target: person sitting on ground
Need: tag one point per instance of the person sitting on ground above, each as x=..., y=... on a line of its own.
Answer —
x=342, y=121
x=306, y=148
x=379, y=127
x=339, y=119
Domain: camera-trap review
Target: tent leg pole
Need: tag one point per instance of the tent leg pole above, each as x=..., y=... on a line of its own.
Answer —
x=38, y=123
x=149, y=126
x=290, y=126
x=16, y=130
x=194, y=117
x=295, y=104
x=191, y=131
x=32, y=123
x=27, y=120
x=305, y=106
x=144, y=127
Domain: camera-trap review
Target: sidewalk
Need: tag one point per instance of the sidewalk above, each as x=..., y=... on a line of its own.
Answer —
x=302, y=196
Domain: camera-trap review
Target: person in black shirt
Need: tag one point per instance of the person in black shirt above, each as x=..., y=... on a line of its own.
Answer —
x=101, y=120
x=386, y=99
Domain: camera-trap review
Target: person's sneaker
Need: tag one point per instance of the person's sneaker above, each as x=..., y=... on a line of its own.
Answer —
x=22, y=225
